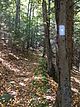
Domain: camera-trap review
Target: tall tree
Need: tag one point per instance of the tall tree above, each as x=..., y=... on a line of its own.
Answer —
x=17, y=18
x=46, y=21
x=70, y=27
x=64, y=87
x=29, y=22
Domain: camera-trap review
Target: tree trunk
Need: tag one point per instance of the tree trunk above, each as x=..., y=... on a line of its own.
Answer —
x=64, y=87
x=57, y=9
x=70, y=24
x=51, y=69
x=44, y=47
x=33, y=31
x=29, y=22
x=17, y=19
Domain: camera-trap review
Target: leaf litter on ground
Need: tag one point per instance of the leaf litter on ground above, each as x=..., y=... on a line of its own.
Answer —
x=21, y=78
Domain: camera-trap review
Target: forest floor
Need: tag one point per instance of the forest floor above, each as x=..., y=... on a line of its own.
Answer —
x=22, y=80
x=18, y=78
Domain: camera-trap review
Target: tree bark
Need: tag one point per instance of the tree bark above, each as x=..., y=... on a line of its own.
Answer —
x=51, y=69
x=17, y=19
x=29, y=22
x=64, y=87
x=70, y=24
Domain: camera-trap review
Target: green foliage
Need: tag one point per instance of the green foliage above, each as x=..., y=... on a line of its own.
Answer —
x=40, y=83
x=38, y=104
x=5, y=98
x=42, y=67
x=31, y=26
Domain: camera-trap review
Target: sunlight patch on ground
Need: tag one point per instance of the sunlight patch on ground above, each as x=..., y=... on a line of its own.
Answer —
x=35, y=63
x=25, y=59
x=12, y=82
x=26, y=79
x=37, y=78
x=51, y=98
x=14, y=93
x=75, y=90
x=22, y=84
x=75, y=79
x=75, y=70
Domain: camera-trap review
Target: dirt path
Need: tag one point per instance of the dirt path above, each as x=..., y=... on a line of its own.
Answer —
x=17, y=78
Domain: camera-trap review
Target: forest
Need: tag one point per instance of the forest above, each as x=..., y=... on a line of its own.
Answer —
x=39, y=53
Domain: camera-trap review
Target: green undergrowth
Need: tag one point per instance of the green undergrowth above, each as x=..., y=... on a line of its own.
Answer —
x=40, y=85
x=40, y=81
x=6, y=99
x=42, y=67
